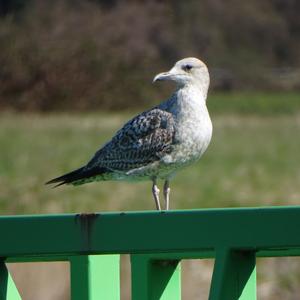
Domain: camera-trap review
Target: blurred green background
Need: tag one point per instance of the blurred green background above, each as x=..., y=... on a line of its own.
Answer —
x=72, y=72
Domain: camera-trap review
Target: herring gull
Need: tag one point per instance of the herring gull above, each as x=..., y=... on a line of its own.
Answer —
x=158, y=142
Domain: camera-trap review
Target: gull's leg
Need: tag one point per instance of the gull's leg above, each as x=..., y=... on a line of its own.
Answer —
x=167, y=194
x=155, y=192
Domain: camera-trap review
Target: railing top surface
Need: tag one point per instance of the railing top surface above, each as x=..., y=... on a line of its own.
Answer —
x=274, y=230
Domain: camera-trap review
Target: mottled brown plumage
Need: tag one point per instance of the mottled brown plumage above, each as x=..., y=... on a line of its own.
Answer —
x=143, y=140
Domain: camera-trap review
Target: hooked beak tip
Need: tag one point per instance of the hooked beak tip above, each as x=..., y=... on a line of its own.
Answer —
x=161, y=76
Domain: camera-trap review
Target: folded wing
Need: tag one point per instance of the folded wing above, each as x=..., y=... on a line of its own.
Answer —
x=143, y=140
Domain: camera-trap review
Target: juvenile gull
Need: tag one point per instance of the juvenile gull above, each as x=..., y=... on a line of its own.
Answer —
x=156, y=143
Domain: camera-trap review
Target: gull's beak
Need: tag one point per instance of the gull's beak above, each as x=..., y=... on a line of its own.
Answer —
x=163, y=76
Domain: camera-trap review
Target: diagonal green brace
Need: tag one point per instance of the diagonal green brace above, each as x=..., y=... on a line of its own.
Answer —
x=8, y=290
x=234, y=276
x=153, y=279
x=95, y=277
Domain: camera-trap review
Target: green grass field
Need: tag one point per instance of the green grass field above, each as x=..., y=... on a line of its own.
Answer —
x=253, y=160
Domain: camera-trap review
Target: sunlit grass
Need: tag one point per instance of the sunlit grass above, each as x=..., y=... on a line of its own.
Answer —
x=252, y=160
x=255, y=102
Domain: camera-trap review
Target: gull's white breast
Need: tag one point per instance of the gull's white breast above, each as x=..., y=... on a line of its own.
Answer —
x=193, y=128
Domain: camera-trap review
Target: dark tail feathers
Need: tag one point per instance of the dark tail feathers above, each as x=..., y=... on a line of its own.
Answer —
x=68, y=177
x=76, y=175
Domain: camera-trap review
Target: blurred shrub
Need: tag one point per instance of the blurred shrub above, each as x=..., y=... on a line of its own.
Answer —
x=83, y=55
x=62, y=55
x=8, y=6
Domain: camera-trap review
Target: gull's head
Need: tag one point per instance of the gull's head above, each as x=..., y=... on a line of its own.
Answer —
x=188, y=71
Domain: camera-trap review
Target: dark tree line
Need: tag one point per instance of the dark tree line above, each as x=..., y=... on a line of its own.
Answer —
x=82, y=55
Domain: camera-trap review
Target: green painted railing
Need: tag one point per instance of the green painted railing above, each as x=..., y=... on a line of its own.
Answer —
x=157, y=241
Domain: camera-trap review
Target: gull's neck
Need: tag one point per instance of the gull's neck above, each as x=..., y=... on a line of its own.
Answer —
x=191, y=95
x=187, y=103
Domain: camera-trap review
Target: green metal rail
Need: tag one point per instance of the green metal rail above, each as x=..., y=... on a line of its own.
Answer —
x=156, y=241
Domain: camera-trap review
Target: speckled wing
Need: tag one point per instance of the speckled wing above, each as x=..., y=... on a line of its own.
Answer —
x=142, y=141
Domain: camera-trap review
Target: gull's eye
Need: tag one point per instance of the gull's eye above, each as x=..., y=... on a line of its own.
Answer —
x=187, y=67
